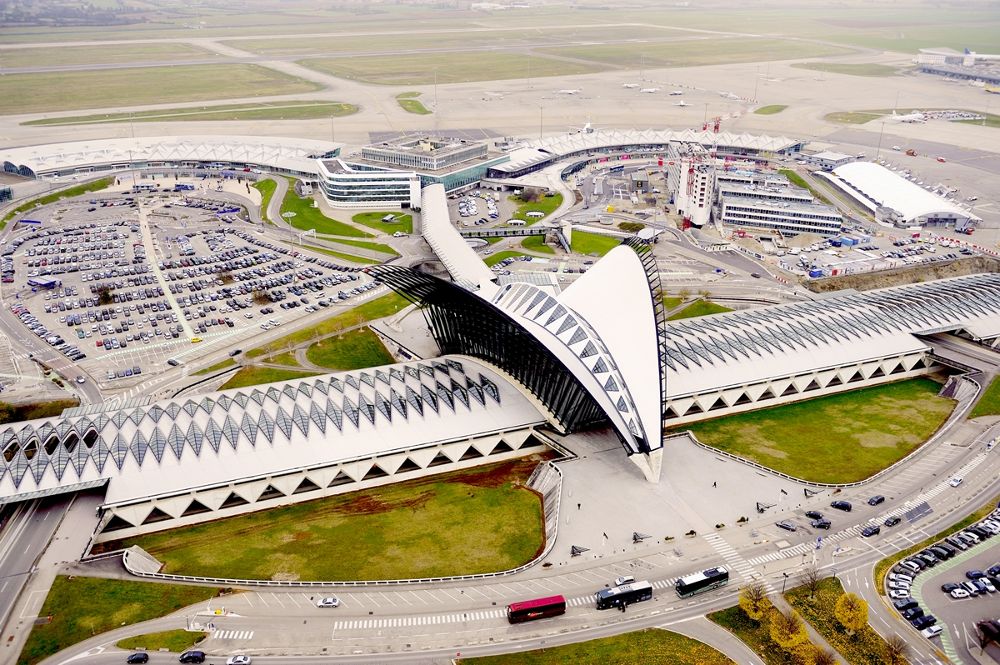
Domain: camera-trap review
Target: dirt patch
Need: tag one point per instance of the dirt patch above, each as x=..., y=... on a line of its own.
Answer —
x=908, y=275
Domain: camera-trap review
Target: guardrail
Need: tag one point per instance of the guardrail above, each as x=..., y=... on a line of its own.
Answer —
x=547, y=476
x=960, y=411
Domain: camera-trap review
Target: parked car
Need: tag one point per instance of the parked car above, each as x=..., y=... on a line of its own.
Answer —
x=138, y=657
x=870, y=531
x=956, y=481
x=624, y=579
x=875, y=500
x=814, y=514
x=192, y=657
x=892, y=521
x=958, y=593
x=931, y=631
x=948, y=587
x=328, y=601
x=786, y=525
x=821, y=523
x=842, y=505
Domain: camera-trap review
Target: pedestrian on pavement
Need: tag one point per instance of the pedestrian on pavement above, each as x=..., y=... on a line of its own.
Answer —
x=715, y=484
x=578, y=506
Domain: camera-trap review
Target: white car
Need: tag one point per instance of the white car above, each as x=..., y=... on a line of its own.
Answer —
x=238, y=660
x=931, y=631
x=624, y=579
x=956, y=481
x=903, y=586
x=329, y=601
x=899, y=593
x=959, y=593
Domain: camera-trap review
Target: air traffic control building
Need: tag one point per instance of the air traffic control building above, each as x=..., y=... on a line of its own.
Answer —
x=518, y=361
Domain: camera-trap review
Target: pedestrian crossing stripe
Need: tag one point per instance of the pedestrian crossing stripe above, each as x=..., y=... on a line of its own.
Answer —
x=233, y=634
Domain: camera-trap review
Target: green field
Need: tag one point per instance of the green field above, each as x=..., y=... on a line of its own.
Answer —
x=770, y=109
x=494, y=259
x=174, y=641
x=991, y=120
x=755, y=635
x=106, y=54
x=290, y=110
x=373, y=309
x=652, y=645
x=537, y=244
x=287, y=358
x=13, y=413
x=408, y=102
x=307, y=217
x=254, y=376
x=76, y=190
x=799, y=181
x=698, y=308
x=593, y=244
x=473, y=521
x=81, y=607
x=228, y=362
x=545, y=204
x=373, y=220
x=838, y=438
x=355, y=349
x=883, y=566
x=696, y=52
x=989, y=402
x=364, y=244
x=865, y=647
x=670, y=302
x=67, y=91
x=459, y=67
x=869, y=69
x=266, y=189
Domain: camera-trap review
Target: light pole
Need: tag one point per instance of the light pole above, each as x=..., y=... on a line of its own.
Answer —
x=541, y=117
x=879, y=148
x=783, y=582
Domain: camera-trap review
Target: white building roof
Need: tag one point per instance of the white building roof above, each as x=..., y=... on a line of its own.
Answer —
x=609, y=138
x=881, y=187
x=830, y=156
x=177, y=444
x=460, y=260
x=281, y=153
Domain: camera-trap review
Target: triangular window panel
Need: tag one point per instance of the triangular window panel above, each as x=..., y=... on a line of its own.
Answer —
x=116, y=524
x=413, y=399
x=351, y=381
x=375, y=472
x=455, y=365
x=856, y=377
x=194, y=438
x=767, y=394
x=383, y=406
x=318, y=417
x=341, y=479
x=408, y=465
x=439, y=460
x=334, y=414
x=669, y=414
x=578, y=336
x=396, y=374
x=694, y=409
x=589, y=350
x=556, y=314
x=351, y=411
x=233, y=500
x=366, y=409
x=898, y=369
x=744, y=399
x=501, y=447
x=156, y=515
x=258, y=397
x=567, y=323
x=812, y=386
x=429, y=397
x=196, y=507
x=879, y=372
x=382, y=376
x=835, y=381
x=610, y=384
x=306, y=486
x=266, y=424
x=790, y=390
x=471, y=453
x=335, y=384
x=367, y=379
x=270, y=493
x=600, y=367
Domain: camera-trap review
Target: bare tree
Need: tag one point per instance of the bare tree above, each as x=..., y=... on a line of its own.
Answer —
x=260, y=297
x=823, y=657
x=896, y=650
x=753, y=599
x=811, y=579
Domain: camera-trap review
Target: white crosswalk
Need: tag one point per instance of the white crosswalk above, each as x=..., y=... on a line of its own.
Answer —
x=232, y=634
x=734, y=561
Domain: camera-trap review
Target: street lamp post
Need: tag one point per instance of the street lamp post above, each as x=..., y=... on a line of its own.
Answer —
x=784, y=581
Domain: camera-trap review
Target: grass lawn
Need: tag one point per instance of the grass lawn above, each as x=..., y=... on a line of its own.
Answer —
x=883, y=566
x=546, y=204
x=672, y=301
x=989, y=402
x=692, y=53
x=355, y=349
x=471, y=521
x=593, y=243
x=494, y=259
x=373, y=309
x=452, y=67
x=292, y=110
x=68, y=193
x=364, y=244
x=838, y=438
x=771, y=109
x=869, y=69
x=82, y=607
x=175, y=641
x=350, y=258
x=254, y=376
x=799, y=181
x=70, y=90
x=266, y=189
x=287, y=358
x=105, y=54
x=228, y=362
x=755, y=635
x=373, y=220
x=865, y=647
x=12, y=413
x=537, y=244
x=698, y=308
x=652, y=645
x=308, y=217
x=408, y=102
x=852, y=117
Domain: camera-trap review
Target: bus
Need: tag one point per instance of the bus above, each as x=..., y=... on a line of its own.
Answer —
x=539, y=608
x=706, y=580
x=625, y=594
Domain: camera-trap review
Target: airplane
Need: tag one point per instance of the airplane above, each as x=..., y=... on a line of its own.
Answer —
x=674, y=93
x=681, y=103
x=586, y=129
x=630, y=85
x=568, y=91
x=915, y=116
x=650, y=90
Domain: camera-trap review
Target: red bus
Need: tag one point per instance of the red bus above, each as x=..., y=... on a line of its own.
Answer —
x=540, y=608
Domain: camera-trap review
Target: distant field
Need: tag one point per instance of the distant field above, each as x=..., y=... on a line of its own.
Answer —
x=408, y=102
x=870, y=69
x=867, y=115
x=771, y=109
x=110, y=54
x=65, y=91
x=373, y=220
x=713, y=51
x=852, y=117
x=292, y=110
x=458, y=67
x=303, y=215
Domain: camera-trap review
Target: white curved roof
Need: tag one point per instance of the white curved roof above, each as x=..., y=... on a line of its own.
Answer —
x=608, y=138
x=281, y=153
x=175, y=444
x=461, y=261
x=881, y=187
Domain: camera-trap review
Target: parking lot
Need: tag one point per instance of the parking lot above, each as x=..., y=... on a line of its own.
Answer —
x=120, y=286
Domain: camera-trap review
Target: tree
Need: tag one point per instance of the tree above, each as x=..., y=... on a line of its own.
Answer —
x=811, y=578
x=531, y=194
x=260, y=296
x=788, y=631
x=226, y=276
x=851, y=612
x=823, y=657
x=896, y=651
x=104, y=295
x=753, y=600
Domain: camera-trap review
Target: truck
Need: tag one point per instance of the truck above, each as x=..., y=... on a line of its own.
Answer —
x=911, y=152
